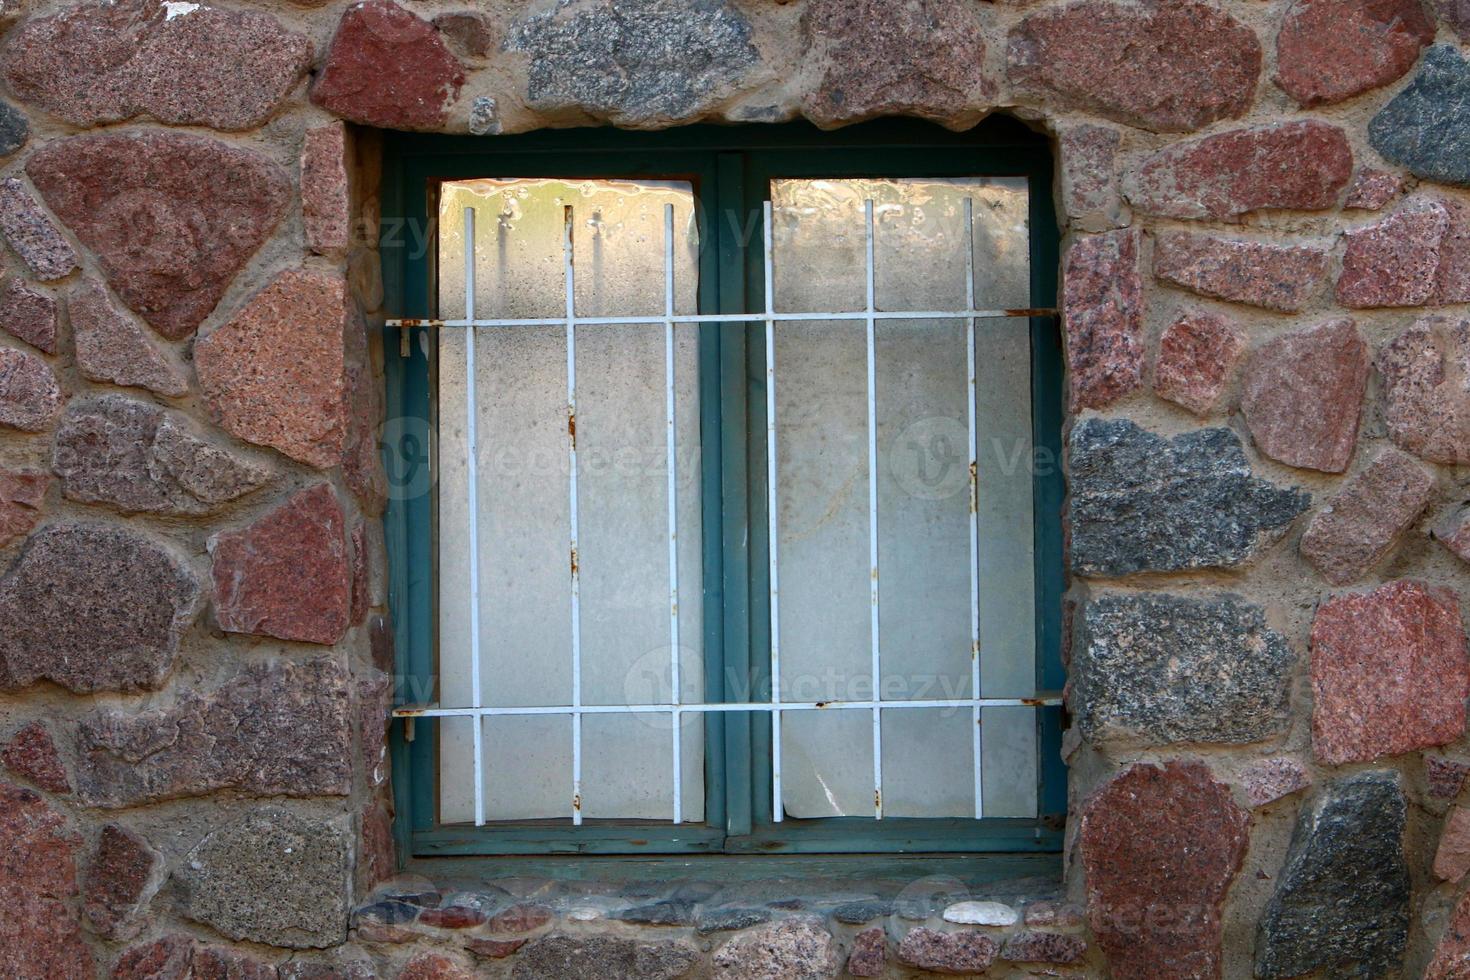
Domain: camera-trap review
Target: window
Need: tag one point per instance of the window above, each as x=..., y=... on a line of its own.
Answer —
x=591, y=606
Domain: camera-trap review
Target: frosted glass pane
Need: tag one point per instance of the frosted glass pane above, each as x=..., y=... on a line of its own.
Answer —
x=524, y=509
x=827, y=763
x=923, y=499
x=627, y=763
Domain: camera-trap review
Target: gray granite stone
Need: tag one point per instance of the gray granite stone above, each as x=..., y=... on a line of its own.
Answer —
x=15, y=129
x=659, y=914
x=558, y=957
x=1142, y=503
x=1426, y=127
x=634, y=62
x=795, y=949
x=274, y=877
x=1342, y=901
x=859, y=913
x=723, y=920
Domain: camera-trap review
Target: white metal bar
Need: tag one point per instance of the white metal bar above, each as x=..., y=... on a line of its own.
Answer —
x=772, y=518
x=410, y=711
x=973, y=443
x=876, y=642
x=728, y=318
x=571, y=326
x=673, y=497
x=472, y=478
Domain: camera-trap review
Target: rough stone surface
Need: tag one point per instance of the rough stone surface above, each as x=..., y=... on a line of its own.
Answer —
x=39, y=933
x=469, y=33
x=1297, y=165
x=1168, y=67
x=31, y=233
x=1159, y=669
x=286, y=575
x=1140, y=503
x=1390, y=673
x=1444, y=777
x=1303, y=395
x=28, y=314
x=1452, y=952
x=1359, y=526
x=1452, y=857
x=1425, y=373
x=326, y=198
x=634, y=62
x=796, y=949
x=555, y=957
x=1273, y=779
x=389, y=68
x=1342, y=900
x=21, y=498
x=1091, y=194
x=1426, y=128
x=275, y=375
x=15, y=129
x=230, y=738
x=982, y=914
x=226, y=963
x=947, y=952
x=272, y=877
x=123, y=877
x=171, y=216
x=167, y=958
x=523, y=917
x=93, y=608
x=867, y=73
x=1102, y=304
x=112, y=348
x=1373, y=189
x=1398, y=261
x=140, y=458
x=1277, y=277
x=729, y=919
x=107, y=62
x=1051, y=914
x=31, y=754
x=30, y=396
x=362, y=458
x=1043, y=947
x=1198, y=356
x=1330, y=50
x=435, y=966
x=495, y=949
x=869, y=956
x=1160, y=847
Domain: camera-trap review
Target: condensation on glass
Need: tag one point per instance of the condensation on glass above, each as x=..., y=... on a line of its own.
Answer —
x=525, y=512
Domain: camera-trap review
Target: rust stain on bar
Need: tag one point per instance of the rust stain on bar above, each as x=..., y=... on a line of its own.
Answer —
x=572, y=427
x=574, y=562
x=577, y=802
x=419, y=323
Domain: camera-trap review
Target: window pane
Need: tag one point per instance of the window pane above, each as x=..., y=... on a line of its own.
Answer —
x=524, y=514
x=923, y=485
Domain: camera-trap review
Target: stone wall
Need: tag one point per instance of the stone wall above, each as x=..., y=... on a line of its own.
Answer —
x=1267, y=261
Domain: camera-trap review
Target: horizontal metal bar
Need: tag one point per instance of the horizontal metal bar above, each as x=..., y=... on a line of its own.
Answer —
x=433, y=711
x=859, y=315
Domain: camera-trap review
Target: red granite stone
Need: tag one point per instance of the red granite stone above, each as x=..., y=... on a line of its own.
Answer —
x=224, y=963
x=275, y=375
x=1389, y=673
x=28, y=314
x=112, y=348
x=1330, y=50
x=21, y=497
x=1198, y=355
x=1160, y=847
x=1044, y=947
x=120, y=882
x=1425, y=372
x=30, y=397
x=362, y=460
x=1269, y=780
x=1298, y=165
x=1089, y=162
x=172, y=217
x=1169, y=67
x=1372, y=189
x=360, y=573
x=105, y=62
x=1444, y=777
x=453, y=917
x=32, y=234
x=1452, y=279
x=1363, y=521
x=326, y=198
x=1456, y=14
x=869, y=956
x=495, y=949
x=866, y=72
x=1304, y=393
x=947, y=952
x=31, y=755
x=389, y=68
x=377, y=855
x=525, y=917
x=1395, y=262
x=286, y=575
x=1451, y=960
x=1276, y=277
x=40, y=935
x=168, y=958
x=1102, y=300
x=435, y=966
x=1452, y=857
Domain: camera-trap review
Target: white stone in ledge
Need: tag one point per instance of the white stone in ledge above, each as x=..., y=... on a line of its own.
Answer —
x=982, y=914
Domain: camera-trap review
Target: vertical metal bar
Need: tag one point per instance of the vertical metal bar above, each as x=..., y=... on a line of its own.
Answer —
x=472, y=477
x=873, y=510
x=971, y=392
x=772, y=518
x=572, y=490
x=673, y=496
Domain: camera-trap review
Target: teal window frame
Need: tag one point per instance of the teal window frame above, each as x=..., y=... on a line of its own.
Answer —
x=731, y=169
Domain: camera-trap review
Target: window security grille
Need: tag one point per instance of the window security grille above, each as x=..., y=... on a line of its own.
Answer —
x=678, y=707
